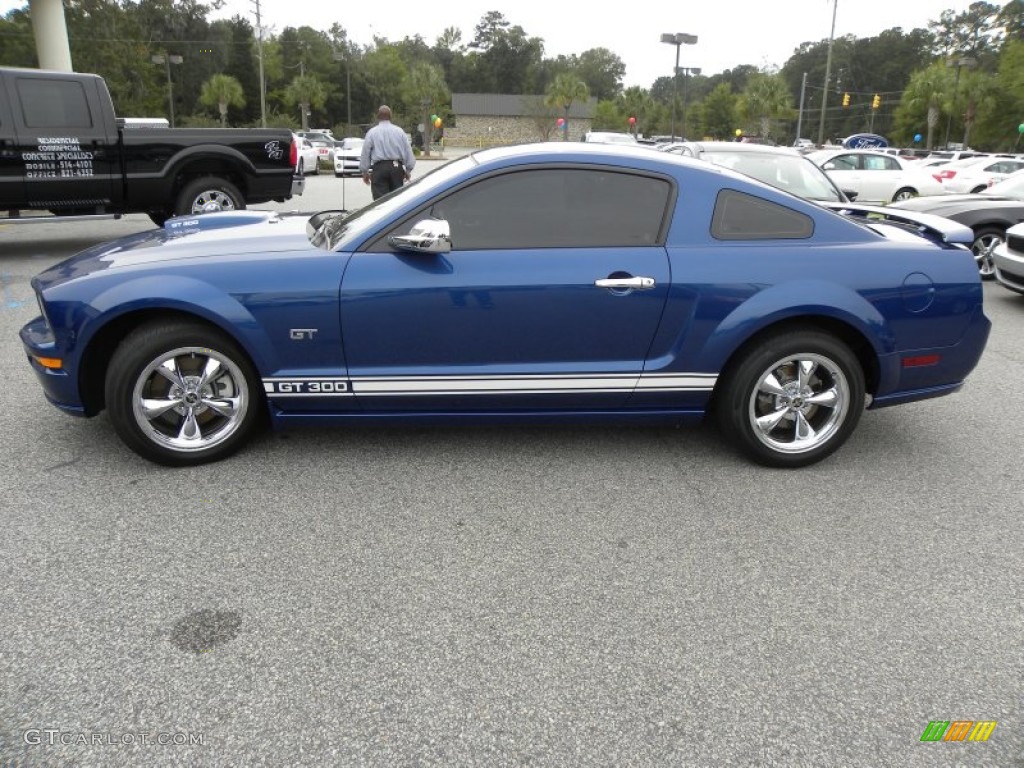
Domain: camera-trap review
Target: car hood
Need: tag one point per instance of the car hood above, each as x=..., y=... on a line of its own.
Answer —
x=212, y=235
x=944, y=205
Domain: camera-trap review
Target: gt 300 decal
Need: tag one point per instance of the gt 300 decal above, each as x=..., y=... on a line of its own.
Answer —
x=300, y=387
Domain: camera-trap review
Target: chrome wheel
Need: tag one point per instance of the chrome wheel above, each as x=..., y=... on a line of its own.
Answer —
x=211, y=201
x=190, y=399
x=983, y=247
x=791, y=398
x=799, y=403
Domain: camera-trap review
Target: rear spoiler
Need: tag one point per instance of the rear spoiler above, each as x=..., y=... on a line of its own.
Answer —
x=928, y=224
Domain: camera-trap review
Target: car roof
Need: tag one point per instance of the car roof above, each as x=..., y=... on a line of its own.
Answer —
x=738, y=146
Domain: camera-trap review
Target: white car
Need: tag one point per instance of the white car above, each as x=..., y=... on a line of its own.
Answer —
x=1008, y=257
x=610, y=137
x=977, y=174
x=876, y=177
x=308, y=159
x=346, y=156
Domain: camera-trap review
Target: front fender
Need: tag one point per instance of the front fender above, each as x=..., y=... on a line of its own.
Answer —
x=178, y=293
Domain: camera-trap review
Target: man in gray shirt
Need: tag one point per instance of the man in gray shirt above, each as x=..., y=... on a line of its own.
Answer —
x=387, y=160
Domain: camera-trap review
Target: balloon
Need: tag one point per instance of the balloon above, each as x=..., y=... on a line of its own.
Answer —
x=561, y=122
x=917, y=138
x=739, y=131
x=632, y=121
x=433, y=118
x=1020, y=128
x=437, y=122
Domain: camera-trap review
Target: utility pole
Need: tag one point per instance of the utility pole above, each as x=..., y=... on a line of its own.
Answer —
x=800, y=115
x=828, y=73
x=259, y=48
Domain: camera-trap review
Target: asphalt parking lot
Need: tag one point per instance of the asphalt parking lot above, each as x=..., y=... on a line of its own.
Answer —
x=508, y=596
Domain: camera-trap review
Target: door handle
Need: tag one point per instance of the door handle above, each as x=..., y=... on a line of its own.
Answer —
x=623, y=283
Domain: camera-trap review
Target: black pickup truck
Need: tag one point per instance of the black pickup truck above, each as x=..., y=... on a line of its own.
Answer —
x=63, y=151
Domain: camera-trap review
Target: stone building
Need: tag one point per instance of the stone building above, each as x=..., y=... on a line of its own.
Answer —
x=489, y=119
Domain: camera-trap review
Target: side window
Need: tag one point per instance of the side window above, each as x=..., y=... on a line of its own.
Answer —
x=53, y=104
x=739, y=216
x=845, y=163
x=556, y=208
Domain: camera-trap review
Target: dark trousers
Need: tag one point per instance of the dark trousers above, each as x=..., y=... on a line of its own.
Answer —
x=385, y=176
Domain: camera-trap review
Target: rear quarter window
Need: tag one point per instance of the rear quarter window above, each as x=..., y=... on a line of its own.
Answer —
x=739, y=216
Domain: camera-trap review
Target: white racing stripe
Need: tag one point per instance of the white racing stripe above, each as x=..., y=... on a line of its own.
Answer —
x=525, y=384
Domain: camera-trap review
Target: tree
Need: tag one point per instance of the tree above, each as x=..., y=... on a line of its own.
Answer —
x=974, y=32
x=978, y=91
x=426, y=90
x=602, y=71
x=637, y=102
x=305, y=91
x=926, y=92
x=566, y=89
x=222, y=91
x=765, y=98
x=719, y=112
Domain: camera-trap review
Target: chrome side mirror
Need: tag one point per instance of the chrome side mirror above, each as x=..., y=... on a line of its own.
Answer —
x=426, y=236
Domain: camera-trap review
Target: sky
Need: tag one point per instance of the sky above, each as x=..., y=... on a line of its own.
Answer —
x=755, y=32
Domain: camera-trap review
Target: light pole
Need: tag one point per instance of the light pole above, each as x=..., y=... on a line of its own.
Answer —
x=682, y=117
x=339, y=56
x=828, y=74
x=964, y=61
x=167, y=59
x=677, y=39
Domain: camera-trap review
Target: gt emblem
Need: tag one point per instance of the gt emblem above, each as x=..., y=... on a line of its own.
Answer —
x=302, y=334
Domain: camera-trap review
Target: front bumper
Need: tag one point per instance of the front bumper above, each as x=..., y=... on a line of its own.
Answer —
x=59, y=385
x=1009, y=267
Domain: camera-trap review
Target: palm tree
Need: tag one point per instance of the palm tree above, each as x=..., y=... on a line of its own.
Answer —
x=564, y=90
x=637, y=102
x=765, y=98
x=305, y=91
x=980, y=90
x=222, y=91
x=929, y=88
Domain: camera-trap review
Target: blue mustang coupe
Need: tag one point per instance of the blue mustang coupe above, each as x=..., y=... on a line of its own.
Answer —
x=553, y=282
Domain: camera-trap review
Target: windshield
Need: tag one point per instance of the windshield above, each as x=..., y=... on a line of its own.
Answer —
x=789, y=172
x=336, y=231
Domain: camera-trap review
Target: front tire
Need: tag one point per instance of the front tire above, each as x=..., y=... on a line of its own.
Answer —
x=182, y=393
x=985, y=241
x=904, y=193
x=208, y=195
x=792, y=399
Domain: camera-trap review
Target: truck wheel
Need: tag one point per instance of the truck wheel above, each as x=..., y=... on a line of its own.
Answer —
x=182, y=393
x=208, y=195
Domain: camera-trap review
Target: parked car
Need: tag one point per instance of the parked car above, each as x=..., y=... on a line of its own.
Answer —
x=66, y=156
x=346, y=156
x=784, y=168
x=309, y=160
x=976, y=174
x=609, y=137
x=989, y=214
x=556, y=282
x=1008, y=259
x=875, y=176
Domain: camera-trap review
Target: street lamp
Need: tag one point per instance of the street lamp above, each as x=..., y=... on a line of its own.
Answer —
x=682, y=118
x=964, y=61
x=339, y=56
x=677, y=39
x=167, y=59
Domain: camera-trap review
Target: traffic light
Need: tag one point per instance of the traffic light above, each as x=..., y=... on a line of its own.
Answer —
x=846, y=99
x=876, y=102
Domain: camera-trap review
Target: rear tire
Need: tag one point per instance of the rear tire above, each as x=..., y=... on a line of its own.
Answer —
x=182, y=393
x=904, y=193
x=791, y=399
x=208, y=195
